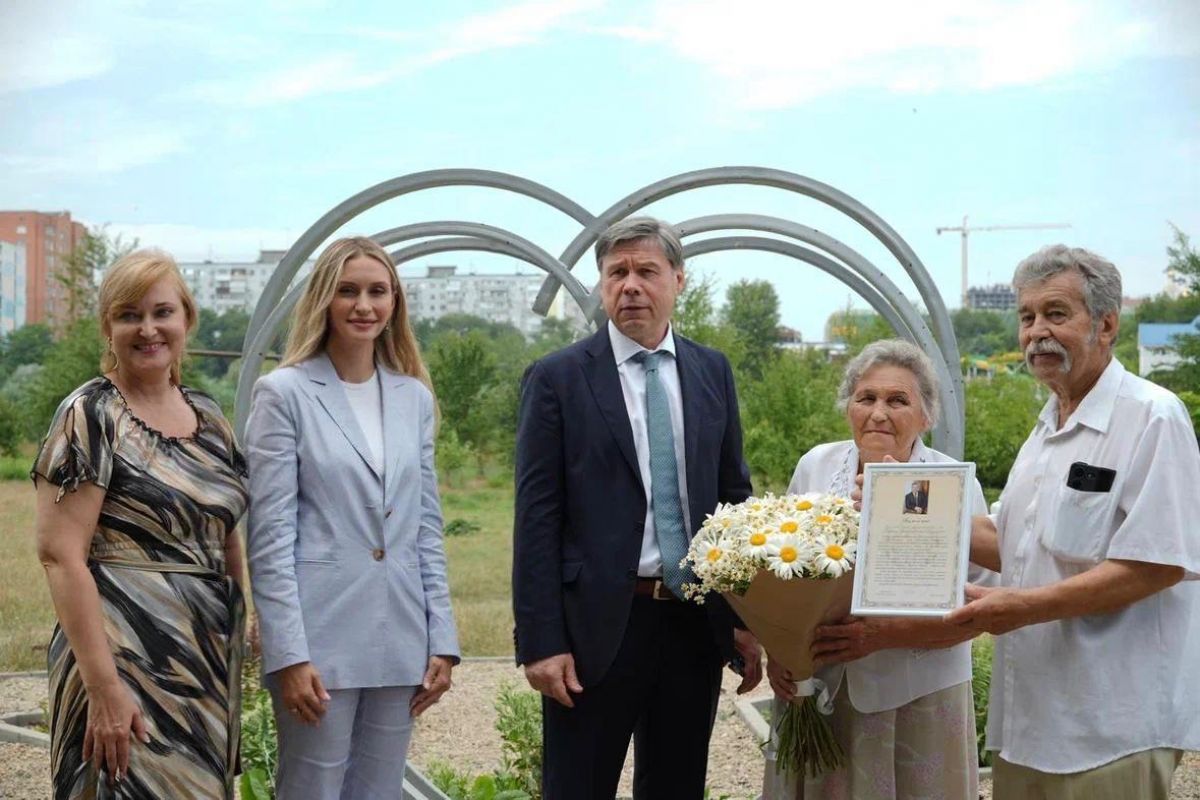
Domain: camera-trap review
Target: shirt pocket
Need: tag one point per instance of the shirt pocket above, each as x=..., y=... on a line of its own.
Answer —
x=1082, y=526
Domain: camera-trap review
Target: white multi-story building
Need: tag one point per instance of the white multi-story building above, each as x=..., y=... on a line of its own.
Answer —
x=12, y=286
x=224, y=285
x=496, y=297
x=506, y=298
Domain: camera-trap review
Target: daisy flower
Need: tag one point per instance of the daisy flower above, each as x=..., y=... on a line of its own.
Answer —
x=834, y=557
x=786, y=556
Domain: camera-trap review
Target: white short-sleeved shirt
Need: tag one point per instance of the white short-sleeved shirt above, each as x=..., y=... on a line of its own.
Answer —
x=1074, y=694
x=885, y=679
x=633, y=387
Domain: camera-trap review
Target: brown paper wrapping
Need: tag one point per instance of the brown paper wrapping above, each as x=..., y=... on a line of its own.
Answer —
x=783, y=615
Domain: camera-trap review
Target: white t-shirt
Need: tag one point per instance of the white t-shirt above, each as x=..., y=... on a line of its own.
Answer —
x=1075, y=694
x=886, y=679
x=367, y=402
x=633, y=387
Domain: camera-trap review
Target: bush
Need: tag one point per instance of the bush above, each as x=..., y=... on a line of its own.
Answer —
x=259, y=739
x=1001, y=412
x=981, y=684
x=519, y=723
x=460, y=527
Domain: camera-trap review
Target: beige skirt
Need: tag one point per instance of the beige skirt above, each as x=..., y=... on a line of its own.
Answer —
x=924, y=750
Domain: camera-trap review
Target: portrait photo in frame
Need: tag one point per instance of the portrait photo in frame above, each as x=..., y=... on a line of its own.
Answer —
x=914, y=539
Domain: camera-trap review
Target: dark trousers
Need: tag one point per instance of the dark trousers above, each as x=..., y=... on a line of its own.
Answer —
x=662, y=690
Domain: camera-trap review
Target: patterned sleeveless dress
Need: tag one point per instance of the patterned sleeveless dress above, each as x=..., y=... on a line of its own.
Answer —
x=174, y=620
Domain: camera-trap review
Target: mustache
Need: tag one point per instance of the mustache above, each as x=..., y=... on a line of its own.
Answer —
x=1048, y=347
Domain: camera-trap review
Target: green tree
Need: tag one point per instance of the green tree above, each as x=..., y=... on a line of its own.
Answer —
x=985, y=333
x=74, y=360
x=224, y=331
x=857, y=328
x=28, y=344
x=11, y=434
x=1183, y=260
x=95, y=253
x=752, y=311
x=1001, y=412
x=787, y=412
x=696, y=318
x=463, y=368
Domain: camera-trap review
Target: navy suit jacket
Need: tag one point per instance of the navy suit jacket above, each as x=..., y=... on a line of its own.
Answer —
x=581, y=506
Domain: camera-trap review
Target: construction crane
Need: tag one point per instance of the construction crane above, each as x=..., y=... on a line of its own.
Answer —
x=965, y=229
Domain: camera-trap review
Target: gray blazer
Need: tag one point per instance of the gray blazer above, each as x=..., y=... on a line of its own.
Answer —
x=347, y=566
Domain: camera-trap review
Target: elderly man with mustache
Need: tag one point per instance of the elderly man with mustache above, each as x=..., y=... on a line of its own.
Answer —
x=1094, y=690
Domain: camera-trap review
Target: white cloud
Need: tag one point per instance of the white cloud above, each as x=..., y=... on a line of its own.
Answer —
x=100, y=153
x=779, y=53
x=31, y=58
x=194, y=243
x=513, y=26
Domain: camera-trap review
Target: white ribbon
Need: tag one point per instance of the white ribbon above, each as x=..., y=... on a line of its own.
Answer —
x=816, y=686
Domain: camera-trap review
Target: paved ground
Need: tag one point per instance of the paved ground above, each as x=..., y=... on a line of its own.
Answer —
x=461, y=729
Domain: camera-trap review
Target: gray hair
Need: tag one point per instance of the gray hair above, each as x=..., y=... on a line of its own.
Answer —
x=633, y=229
x=894, y=353
x=1101, y=280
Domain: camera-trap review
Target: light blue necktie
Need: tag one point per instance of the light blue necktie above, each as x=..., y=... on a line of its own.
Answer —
x=664, y=476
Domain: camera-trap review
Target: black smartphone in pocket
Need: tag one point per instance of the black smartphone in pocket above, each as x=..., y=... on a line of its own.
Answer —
x=1083, y=477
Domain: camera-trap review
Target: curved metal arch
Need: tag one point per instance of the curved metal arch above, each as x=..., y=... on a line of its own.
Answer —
x=506, y=243
x=790, y=181
x=947, y=436
x=856, y=261
x=343, y=212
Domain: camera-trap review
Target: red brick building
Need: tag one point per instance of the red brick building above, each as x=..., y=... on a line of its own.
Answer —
x=48, y=238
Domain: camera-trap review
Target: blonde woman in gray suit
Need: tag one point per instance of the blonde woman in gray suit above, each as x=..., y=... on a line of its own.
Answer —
x=345, y=543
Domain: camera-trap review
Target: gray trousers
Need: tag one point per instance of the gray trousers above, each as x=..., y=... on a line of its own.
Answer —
x=356, y=753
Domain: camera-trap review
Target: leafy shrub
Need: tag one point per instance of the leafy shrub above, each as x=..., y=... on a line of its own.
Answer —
x=259, y=739
x=460, y=527
x=981, y=684
x=519, y=721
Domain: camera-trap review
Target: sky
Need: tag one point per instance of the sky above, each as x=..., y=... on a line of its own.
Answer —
x=213, y=129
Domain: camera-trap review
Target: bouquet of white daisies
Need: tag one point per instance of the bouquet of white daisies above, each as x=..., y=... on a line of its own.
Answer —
x=784, y=564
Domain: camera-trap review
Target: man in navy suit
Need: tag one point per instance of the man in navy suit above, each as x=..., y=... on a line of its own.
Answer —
x=625, y=441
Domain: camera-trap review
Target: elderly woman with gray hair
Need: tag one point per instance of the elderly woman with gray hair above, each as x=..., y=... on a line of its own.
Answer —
x=903, y=710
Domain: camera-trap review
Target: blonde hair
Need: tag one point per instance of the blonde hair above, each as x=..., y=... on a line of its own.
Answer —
x=127, y=282
x=395, y=348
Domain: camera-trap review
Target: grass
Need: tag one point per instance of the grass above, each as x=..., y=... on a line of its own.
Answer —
x=479, y=564
x=26, y=616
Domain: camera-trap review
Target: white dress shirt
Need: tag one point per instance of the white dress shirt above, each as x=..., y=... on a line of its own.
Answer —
x=1077, y=693
x=885, y=679
x=367, y=403
x=633, y=387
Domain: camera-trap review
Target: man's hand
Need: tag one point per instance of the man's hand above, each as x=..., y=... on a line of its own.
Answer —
x=849, y=639
x=555, y=678
x=751, y=652
x=993, y=610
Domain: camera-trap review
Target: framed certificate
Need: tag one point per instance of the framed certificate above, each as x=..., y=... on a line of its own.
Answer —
x=914, y=539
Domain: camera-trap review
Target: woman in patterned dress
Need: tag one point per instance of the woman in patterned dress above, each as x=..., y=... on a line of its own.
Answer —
x=903, y=709
x=139, y=489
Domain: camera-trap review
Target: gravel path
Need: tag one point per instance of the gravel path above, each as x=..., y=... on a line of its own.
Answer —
x=462, y=728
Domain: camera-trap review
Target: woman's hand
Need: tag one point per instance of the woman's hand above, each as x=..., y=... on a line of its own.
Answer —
x=857, y=492
x=849, y=639
x=303, y=694
x=781, y=680
x=113, y=715
x=435, y=684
